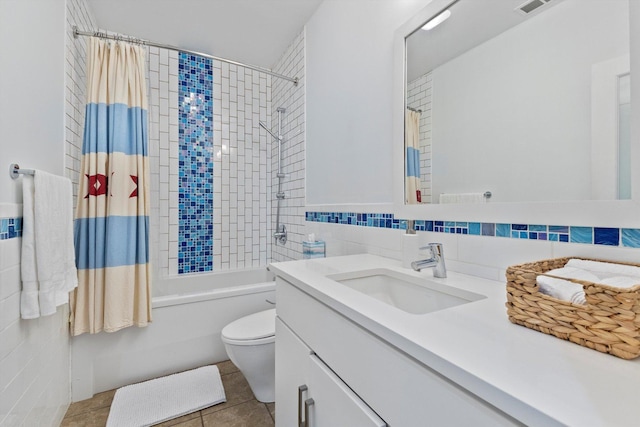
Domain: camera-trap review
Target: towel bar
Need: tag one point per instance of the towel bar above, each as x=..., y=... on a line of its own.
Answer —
x=15, y=171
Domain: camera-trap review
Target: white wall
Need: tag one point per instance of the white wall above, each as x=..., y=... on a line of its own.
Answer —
x=32, y=40
x=34, y=354
x=349, y=99
x=513, y=115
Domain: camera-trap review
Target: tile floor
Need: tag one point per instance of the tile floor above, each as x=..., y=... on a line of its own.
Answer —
x=240, y=410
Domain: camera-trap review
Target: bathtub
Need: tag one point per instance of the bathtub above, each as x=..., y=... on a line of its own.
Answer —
x=191, y=288
x=189, y=313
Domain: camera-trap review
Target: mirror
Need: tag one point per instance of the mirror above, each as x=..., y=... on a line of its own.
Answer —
x=529, y=102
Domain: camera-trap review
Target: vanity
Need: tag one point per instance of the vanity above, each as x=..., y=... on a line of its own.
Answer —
x=345, y=357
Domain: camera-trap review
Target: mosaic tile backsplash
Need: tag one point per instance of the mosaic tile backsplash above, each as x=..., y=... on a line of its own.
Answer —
x=10, y=228
x=626, y=237
x=195, y=177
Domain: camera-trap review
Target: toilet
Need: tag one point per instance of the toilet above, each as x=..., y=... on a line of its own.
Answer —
x=250, y=344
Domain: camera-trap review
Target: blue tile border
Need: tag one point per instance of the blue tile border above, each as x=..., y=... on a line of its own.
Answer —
x=606, y=236
x=10, y=228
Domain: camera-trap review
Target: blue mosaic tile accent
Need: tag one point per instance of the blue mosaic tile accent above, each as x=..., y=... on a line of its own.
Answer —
x=503, y=230
x=10, y=228
x=606, y=236
x=474, y=228
x=631, y=237
x=627, y=237
x=581, y=234
x=195, y=162
x=488, y=229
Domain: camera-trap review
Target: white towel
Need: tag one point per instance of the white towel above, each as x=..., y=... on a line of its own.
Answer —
x=621, y=281
x=564, y=289
x=48, y=258
x=605, y=269
x=561, y=289
x=462, y=198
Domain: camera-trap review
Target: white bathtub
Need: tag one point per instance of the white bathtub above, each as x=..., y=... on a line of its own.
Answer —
x=185, y=333
x=200, y=287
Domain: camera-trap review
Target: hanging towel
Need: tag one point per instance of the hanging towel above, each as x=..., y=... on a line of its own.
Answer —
x=48, y=257
x=462, y=198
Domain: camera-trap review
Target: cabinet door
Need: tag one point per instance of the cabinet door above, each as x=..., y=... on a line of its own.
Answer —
x=332, y=403
x=292, y=364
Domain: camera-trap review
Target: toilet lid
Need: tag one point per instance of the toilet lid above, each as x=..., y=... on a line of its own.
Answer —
x=252, y=327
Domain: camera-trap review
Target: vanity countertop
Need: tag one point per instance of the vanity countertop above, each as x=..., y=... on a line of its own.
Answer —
x=536, y=378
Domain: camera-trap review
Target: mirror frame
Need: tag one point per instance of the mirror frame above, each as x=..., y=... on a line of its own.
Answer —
x=609, y=213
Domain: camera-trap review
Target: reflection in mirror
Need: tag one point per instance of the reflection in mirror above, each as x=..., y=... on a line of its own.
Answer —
x=529, y=103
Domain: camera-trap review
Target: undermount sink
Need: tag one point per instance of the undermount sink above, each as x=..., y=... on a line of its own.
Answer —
x=411, y=294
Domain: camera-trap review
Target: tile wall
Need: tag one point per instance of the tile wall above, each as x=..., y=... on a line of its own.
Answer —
x=195, y=164
x=241, y=157
x=608, y=236
x=34, y=354
x=481, y=249
x=419, y=93
x=292, y=98
x=163, y=158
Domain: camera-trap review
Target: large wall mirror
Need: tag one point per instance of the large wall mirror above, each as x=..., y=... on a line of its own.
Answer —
x=527, y=101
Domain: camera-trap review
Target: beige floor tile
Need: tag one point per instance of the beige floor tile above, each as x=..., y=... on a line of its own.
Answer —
x=226, y=367
x=94, y=418
x=248, y=414
x=237, y=391
x=189, y=420
x=98, y=401
x=272, y=409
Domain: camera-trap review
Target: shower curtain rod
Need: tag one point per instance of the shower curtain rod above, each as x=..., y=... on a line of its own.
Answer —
x=102, y=35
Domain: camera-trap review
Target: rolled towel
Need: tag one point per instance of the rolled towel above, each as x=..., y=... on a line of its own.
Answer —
x=604, y=269
x=621, y=281
x=564, y=289
x=561, y=289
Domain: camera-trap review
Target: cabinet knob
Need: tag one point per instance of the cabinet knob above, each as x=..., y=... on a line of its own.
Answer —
x=301, y=389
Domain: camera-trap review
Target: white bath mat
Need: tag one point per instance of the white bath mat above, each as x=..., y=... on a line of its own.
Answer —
x=162, y=399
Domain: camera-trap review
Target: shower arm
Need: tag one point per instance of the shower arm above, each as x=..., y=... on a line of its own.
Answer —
x=278, y=138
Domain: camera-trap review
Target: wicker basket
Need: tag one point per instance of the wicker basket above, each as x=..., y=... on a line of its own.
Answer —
x=609, y=322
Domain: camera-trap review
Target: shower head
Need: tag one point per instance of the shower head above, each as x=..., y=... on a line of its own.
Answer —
x=278, y=138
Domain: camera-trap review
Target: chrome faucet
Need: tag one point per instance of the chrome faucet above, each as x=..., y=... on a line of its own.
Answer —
x=435, y=260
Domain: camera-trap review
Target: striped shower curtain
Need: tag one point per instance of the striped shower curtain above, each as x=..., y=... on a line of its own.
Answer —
x=112, y=214
x=412, y=157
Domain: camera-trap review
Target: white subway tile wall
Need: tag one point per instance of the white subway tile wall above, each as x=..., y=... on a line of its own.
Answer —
x=419, y=93
x=34, y=354
x=245, y=161
x=292, y=98
x=78, y=14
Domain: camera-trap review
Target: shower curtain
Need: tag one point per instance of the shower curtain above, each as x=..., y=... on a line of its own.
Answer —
x=412, y=157
x=112, y=214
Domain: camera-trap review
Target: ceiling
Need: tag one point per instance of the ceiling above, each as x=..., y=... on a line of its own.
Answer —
x=256, y=32
x=472, y=22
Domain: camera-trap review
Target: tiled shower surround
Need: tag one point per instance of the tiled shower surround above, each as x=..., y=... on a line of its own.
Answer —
x=285, y=94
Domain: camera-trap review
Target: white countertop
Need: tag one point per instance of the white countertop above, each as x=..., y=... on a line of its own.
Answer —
x=534, y=377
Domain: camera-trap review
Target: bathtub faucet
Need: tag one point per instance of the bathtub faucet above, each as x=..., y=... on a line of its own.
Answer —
x=435, y=260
